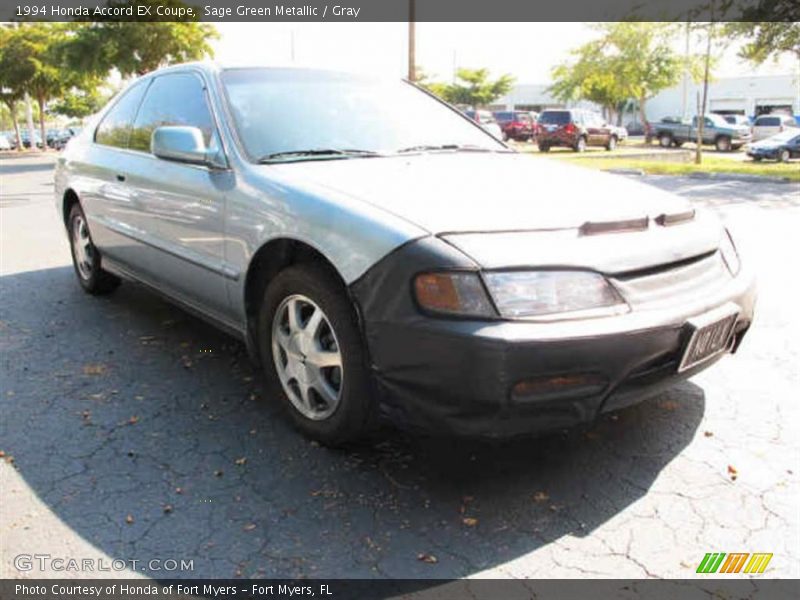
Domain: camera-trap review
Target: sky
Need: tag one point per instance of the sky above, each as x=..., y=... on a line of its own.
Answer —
x=528, y=51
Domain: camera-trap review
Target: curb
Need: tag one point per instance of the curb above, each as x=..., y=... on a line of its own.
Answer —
x=739, y=177
x=625, y=171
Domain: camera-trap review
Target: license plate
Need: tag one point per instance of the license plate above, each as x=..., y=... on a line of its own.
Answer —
x=551, y=127
x=711, y=336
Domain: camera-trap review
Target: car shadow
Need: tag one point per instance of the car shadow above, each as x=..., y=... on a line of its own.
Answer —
x=146, y=432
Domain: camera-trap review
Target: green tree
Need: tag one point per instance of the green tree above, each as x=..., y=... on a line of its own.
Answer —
x=15, y=72
x=136, y=48
x=629, y=61
x=79, y=103
x=472, y=87
x=764, y=37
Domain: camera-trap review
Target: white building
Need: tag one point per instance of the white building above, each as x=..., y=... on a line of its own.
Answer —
x=750, y=95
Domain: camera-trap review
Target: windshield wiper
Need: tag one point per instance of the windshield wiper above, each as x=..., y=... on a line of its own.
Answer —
x=312, y=152
x=454, y=147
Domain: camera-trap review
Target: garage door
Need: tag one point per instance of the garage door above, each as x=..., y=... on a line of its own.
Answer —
x=738, y=105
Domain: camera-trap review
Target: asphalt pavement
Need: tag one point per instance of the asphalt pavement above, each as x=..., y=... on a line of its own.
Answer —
x=130, y=430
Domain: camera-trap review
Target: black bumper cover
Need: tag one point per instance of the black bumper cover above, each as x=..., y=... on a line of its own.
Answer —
x=450, y=376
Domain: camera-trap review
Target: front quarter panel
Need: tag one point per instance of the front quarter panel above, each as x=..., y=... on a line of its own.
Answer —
x=270, y=202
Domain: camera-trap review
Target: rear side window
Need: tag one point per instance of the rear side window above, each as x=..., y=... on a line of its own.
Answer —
x=555, y=117
x=173, y=99
x=114, y=129
x=768, y=121
x=504, y=116
x=523, y=117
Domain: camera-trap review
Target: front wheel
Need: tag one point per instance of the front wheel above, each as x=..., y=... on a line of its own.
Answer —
x=723, y=144
x=86, y=258
x=784, y=156
x=612, y=143
x=580, y=145
x=312, y=353
x=544, y=148
x=665, y=140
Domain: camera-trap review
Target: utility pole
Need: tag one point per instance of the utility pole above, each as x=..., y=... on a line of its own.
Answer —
x=412, y=42
x=685, y=105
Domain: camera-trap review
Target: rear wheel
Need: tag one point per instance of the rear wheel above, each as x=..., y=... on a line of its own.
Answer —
x=312, y=352
x=544, y=148
x=665, y=140
x=784, y=156
x=86, y=258
x=612, y=143
x=723, y=144
x=580, y=145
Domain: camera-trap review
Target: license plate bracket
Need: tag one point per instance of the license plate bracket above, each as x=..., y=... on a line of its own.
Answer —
x=711, y=335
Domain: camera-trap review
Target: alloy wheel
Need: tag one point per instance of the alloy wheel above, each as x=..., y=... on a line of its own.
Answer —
x=307, y=357
x=82, y=247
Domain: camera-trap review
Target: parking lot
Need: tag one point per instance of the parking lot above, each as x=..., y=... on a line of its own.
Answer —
x=131, y=430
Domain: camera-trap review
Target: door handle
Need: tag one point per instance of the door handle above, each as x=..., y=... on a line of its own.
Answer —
x=120, y=177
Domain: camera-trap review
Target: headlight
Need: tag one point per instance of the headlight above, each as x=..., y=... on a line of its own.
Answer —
x=454, y=293
x=729, y=254
x=537, y=293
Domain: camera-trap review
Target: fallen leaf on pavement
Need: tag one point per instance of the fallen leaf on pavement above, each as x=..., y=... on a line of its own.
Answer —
x=708, y=433
x=249, y=527
x=469, y=521
x=427, y=558
x=733, y=472
x=133, y=420
x=168, y=508
x=240, y=461
x=541, y=497
x=218, y=473
x=94, y=369
x=129, y=519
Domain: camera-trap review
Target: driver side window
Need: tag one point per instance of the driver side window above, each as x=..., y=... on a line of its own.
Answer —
x=173, y=99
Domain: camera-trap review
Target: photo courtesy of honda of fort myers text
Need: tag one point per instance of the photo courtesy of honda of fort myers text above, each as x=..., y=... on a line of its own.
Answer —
x=399, y=299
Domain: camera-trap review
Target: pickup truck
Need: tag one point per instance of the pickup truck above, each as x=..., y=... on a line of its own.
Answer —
x=716, y=130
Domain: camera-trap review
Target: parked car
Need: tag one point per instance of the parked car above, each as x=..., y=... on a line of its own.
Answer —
x=766, y=126
x=381, y=254
x=716, y=130
x=574, y=128
x=486, y=120
x=5, y=143
x=620, y=132
x=736, y=120
x=26, y=139
x=515, y=124
x=637, y=128
x=58, y=138
x=782, y=147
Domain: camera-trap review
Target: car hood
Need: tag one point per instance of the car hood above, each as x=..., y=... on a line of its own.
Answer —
x=461, y=192
x=476, y=200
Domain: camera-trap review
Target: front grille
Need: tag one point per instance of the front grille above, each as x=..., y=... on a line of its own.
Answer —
x=674, y=284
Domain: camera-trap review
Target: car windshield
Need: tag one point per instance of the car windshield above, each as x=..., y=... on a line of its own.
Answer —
x=312, y=115
x=555, y=117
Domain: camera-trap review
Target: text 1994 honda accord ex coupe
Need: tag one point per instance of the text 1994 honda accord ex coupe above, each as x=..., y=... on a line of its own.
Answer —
x=382, y=254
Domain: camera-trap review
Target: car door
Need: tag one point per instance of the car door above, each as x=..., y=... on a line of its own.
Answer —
x=185, y=202
x=116, y=218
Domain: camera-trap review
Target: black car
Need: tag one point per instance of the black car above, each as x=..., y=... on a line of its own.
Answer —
x=782, y=147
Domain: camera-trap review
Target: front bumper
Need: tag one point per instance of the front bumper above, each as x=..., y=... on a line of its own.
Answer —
x=502, y=378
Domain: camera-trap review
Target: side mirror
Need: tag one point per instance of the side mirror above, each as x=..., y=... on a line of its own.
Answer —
x=183, y=144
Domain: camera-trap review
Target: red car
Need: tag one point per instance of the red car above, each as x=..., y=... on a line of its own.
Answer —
x=516, y=125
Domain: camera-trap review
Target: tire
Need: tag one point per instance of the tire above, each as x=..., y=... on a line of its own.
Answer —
x=329, y=363
x=580, y=144
x=723, y=144
x=784, y=156
x=665, y=140
x=544, y=148
x=757, y=158
x=612, y=143
x=86, y=259
x=505, y=137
